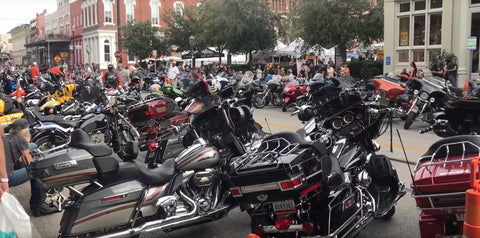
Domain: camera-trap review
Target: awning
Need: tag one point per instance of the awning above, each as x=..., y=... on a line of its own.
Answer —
x=205, y=53
x=47, y=41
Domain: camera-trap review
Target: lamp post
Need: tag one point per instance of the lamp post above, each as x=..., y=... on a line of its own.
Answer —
x=192, y=44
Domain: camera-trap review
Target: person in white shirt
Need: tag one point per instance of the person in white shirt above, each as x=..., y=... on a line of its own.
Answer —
x=173, y=73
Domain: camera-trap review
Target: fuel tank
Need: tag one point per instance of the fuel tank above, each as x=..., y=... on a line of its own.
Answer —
x=200, y=155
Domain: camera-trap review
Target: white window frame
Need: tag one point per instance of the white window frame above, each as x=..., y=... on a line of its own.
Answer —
x=107, y=43
x=105, y=4
x=411, y=47
x=155, y=7
x=176, y=9
x=131, y=3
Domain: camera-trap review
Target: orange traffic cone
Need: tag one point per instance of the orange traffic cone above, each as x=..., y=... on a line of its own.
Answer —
x=251, y=235
x=466, y=88
x=471, y=225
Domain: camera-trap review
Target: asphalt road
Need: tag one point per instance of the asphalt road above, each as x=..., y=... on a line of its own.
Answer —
x=237, y=224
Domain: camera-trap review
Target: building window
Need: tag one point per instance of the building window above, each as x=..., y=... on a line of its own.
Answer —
x=154, y=6
x=420, y=5
x=404, y=31
x=432, y=54
x=436, y=29
x=179, y=7
x=108, y=8
x=418, y=55
x=419, y=30
x=436, y=3
x=129, y=10
x=403, y=56
x=106, y=52
x=404, y=7
x=475, y=1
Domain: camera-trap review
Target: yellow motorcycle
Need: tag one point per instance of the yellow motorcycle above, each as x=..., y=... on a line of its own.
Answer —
x=53, y=103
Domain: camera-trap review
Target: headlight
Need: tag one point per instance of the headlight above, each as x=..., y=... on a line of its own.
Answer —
x=415, y=92
x=424, y=95
x=432, y=99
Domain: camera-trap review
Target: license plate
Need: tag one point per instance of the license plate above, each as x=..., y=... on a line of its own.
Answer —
x=460, y=217
x=284, y=207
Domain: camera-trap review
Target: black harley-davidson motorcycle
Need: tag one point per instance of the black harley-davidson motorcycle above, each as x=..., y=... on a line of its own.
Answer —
x=292, y=187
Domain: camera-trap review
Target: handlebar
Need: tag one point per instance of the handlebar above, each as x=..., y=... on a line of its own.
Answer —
x=426, y=129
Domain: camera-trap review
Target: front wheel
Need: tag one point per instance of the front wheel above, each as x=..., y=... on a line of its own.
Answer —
x=259, y=101
x=410, y=119
x=284, y=107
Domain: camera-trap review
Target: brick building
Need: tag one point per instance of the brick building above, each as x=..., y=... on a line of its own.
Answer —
x=101, y=19
x=76, y=42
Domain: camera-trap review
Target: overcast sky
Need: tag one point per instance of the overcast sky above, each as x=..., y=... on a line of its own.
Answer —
x=16, y=12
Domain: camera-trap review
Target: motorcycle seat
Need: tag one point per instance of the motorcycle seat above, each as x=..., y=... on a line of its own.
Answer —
x=160, y=175
x=80, y=139
x=54, y=118
x=455, y=150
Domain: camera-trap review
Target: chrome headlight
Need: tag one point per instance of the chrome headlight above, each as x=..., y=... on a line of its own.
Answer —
x=415, y=92
x=424, y=95
x=432, y=99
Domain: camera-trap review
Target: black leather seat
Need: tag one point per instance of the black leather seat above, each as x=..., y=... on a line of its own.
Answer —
x=54, y=118
x=291, y=137
x=158, y=176
x=455, y=150
x=80, y=139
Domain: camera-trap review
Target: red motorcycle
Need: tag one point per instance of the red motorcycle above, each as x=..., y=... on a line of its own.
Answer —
x=293, y=95
x=442, y=175
x=392, y=93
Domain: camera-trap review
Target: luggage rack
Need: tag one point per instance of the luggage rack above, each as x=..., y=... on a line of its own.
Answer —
x=436, y=197
x=447, y=161
x=266, y=155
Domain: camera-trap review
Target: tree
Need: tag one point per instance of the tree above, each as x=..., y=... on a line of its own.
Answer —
x=141, y=38
x=237, y=26
x=330, y=23
x=181, y=27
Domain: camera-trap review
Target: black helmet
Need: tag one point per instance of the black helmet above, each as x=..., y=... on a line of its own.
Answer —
x=110, y=67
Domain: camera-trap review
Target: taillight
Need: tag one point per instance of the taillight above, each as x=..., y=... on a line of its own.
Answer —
x=291, y=184
x=113, y=198
x=236, y=192
x=283, y=223
x=308, y=227
x=310, y=189
x=152, y=146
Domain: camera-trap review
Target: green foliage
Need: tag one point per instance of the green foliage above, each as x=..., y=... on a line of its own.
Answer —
x=238, y=26
x=330, y=23
x=141, y=38
x=365, y=69
x=180, y=28
x=444, y=56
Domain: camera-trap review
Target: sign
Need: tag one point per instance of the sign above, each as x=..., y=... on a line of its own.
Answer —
x=64, y=54
x=57, y=58
x=472, y=43
x=388, y=60
x=154, y=53
x=118, y=54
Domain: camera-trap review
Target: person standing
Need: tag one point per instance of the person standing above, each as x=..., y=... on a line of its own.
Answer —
x=331, y=73
x=112, y=79
x=438, y=68
x=451, y=70
x=173, y=73
x=345, y=70
x=34, y=71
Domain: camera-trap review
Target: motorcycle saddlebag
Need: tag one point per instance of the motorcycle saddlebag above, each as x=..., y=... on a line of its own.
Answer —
x=109, y=207
x=64, y=168
x=152, y=110
x=282, y=179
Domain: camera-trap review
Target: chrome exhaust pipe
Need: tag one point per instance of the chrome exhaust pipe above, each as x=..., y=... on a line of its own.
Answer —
x=156, y=225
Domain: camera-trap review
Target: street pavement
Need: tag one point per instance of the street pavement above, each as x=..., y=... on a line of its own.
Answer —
x=237, y=224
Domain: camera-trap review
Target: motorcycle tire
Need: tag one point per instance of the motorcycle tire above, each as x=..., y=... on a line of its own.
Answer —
x=284, y=107
x=389, y=214
x=45, y=143
x=410, y=119
x=259, y=102
x=127, y=146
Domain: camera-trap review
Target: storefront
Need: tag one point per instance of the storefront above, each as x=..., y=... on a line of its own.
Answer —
x=418, y=30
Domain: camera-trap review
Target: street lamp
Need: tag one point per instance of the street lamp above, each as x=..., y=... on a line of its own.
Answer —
x=192, y=44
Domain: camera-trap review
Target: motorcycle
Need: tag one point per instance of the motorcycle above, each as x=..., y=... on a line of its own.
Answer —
x=291, y=187
x=293, y=95
x=271, y=94
x=391, y=93
x=442, y=175
x=430, y=94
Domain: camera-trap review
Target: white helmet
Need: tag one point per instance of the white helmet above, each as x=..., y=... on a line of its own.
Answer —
x=214, y=86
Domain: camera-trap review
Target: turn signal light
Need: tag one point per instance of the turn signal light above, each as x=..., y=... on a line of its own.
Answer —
x=308, y=227
x=236, y=192
x=291, y=184
x=283, y=223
